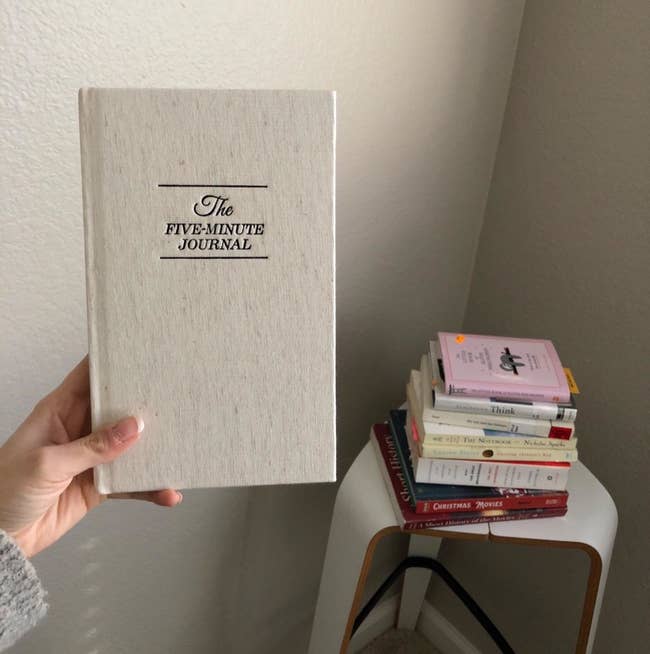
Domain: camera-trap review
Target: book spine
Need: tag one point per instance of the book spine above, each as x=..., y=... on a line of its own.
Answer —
x=450, y=521
x=498, y=439
x=491, y=474
x=489, y=407
x=408, y=479
x=542, y=428
x=485, y=390
x=90, y=193
x=508, y=502
x=496, y=452
x=395, y=486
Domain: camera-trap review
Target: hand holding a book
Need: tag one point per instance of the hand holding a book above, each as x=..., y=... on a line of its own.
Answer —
x=46, y=477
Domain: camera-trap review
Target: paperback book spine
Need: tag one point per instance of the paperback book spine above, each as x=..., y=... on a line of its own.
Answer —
x=484, y=390
x=542, y=428
x=491, y=407
x=497, y=452
x=501, y=474
x=491, y=438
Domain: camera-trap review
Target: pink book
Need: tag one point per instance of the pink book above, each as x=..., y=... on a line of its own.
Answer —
x=502, y=367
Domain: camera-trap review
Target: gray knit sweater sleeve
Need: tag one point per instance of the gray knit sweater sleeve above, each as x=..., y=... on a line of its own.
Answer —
x=22, y=598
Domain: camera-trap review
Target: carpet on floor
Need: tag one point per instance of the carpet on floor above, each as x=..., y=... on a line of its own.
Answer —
x=400, y=641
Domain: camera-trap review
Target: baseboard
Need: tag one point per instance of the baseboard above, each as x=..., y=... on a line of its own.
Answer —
x=441, y=633
x=382, y=618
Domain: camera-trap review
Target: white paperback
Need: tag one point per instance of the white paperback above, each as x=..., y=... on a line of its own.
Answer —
x=209, y=230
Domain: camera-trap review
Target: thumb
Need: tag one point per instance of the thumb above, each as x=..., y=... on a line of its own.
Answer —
x=102, y=446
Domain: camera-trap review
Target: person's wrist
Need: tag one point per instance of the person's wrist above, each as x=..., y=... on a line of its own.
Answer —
x=20, y=539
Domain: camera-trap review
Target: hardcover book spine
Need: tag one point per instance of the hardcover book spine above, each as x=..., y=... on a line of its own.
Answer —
x=508, y=502
x=404, y=466
x=494, y=474
x=90, y=198
x=489, y=407
x=450, y=521
x=393, y=478
x=542, y=428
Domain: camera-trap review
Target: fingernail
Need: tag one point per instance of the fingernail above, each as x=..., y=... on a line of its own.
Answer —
x=125, y=430
x=180, y=497
x=140, y=424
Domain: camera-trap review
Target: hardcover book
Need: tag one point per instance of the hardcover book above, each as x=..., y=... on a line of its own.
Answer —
x=406, y=516
x=443, y=498
x=499, y=366
x=209, y=231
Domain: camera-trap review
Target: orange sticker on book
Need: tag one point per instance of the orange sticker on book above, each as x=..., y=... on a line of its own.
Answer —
x=460, y=338
x=573, y=387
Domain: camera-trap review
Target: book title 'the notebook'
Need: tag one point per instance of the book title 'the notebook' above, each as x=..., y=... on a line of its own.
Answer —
x=226, y=235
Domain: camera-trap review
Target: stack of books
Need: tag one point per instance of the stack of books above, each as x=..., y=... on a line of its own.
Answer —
x=488, y=434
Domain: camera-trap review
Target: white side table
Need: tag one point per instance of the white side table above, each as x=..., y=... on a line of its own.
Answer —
x=363, y=514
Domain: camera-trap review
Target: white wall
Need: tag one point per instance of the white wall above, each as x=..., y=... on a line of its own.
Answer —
x=421, y=91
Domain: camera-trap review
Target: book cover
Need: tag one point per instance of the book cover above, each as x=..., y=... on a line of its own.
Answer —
x=442, y=498
x=409, y=520
x=209, y=231
x=499, y=366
